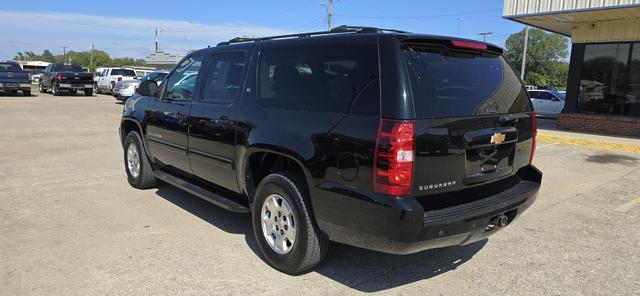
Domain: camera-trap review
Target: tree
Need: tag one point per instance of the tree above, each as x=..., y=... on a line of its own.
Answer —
x=100, y=59
x=546, y=57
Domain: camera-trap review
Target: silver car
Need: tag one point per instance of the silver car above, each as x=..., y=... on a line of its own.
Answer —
x=127, y=88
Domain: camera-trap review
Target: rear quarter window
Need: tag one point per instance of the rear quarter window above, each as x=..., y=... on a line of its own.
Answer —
x=320, y=78
x=453, y=84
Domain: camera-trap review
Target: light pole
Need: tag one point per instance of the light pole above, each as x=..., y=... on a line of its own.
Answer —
x=459, y=25
x=484, y=35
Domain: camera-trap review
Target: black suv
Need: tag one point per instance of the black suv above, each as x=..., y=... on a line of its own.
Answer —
x=382, y=139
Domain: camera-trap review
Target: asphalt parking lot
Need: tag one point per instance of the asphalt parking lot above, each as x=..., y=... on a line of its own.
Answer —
x=71, y=225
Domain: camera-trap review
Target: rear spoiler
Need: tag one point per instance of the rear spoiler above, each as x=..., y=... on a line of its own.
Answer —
x=465, y=45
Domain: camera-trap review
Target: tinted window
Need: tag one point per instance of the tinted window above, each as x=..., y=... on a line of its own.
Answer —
x=546, y=96
x=224, y=77
x=123, y=72
x=449, y=84
x=181, y=84
x=68, y=68
x=603, y=79
x=319, y=78
x=9, y=67
x=155, y=76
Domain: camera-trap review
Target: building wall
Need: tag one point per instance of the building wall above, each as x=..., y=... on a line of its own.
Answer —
x=599, y=123
x=606, y=31
x=519, y=7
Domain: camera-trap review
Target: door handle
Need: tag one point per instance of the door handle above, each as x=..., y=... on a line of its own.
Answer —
x=223, y=120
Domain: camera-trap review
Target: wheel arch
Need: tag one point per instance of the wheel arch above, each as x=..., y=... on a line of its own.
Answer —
x=260, y=161
x=128, y=125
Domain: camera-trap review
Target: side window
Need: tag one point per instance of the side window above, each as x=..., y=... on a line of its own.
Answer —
x=319, y=78
x=534, y=94
x=545, y=96
x=224, y=77
x=181, y=84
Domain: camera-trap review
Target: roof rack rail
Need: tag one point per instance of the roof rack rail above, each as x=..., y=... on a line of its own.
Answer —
x=336, y=30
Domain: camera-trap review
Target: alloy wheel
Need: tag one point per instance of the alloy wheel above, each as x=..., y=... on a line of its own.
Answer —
x=133, y=160
x=278, y=224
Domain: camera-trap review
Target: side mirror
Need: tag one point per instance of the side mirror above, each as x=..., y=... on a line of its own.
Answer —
x=148, y=88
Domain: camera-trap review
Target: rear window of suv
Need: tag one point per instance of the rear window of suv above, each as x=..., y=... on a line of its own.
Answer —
x=68, y=68
x=448, y=83
x=333, y=78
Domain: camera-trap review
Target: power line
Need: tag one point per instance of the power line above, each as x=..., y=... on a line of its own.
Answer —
x=420, y=16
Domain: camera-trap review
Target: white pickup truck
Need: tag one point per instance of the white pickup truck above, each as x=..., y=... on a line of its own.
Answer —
x=108, y=77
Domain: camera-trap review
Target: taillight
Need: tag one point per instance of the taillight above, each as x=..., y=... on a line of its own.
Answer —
x=59, y=77
x=394, y=157
x=534, y=132
x=119, y=78
x=469, y=45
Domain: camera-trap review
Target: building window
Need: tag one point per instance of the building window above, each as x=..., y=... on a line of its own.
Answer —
x=603, y=82
x=632, y=103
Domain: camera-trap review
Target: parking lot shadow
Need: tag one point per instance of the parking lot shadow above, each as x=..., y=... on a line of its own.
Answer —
x=359, y=269
x=612, y=158
x=370, y=271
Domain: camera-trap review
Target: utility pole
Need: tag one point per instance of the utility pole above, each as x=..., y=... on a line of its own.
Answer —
x=459, y=25
x=329, y=7
x=93, y=47
x=484, y=35
x=524, y=52
x=64, y=54
x=156, y=39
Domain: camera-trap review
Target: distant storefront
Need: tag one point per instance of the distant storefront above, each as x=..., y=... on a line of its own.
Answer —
x=603, y=91
x=162, y=60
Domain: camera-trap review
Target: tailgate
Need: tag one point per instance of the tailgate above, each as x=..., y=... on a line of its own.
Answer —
x=473, y=118
x=77, y=78
x=13, y=76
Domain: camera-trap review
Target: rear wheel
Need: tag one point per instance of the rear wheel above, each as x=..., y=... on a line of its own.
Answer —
x=139, y=171
x=88, y=92
x=26, y=93
x=54, y=89
x=73, y=91
x=286, y=232
x=41, y=87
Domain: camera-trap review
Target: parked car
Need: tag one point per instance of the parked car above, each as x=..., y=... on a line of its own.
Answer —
x=66, y=77
x=307, y=136
x=547, y=103
x=14, y=79
x=108, y=78
x=127, y=88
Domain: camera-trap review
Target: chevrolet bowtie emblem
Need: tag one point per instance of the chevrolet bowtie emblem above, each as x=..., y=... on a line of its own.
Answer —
x=497, y=138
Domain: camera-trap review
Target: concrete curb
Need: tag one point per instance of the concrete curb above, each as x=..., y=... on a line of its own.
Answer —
x=589, y=143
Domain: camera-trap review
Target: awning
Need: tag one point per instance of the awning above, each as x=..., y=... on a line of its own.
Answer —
x=564, y=22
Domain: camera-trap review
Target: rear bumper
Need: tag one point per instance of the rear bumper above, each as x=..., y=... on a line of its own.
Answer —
x=74, y=85
x=123, y=94
x=23, y=85
x=401, y=226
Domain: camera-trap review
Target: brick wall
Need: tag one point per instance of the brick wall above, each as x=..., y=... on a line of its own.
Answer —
x=602, y=124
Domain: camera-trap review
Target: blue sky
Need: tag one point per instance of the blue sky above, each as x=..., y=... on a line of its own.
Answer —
x=125, y=28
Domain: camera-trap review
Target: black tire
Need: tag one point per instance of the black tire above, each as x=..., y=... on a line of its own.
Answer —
x=54, y=89
x=145, y=178
x=96, y=89
x=41, y=87
x=88, y=92
x=310, y=245
x=113, y=86
x=73, y=92
x=26, y=93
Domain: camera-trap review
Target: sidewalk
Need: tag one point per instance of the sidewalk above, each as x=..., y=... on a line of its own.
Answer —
x=614, y=143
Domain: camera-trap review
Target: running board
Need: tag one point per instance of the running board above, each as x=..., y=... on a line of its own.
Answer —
x=200, y=192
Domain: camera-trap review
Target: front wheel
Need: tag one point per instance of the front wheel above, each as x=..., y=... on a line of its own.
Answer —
x=287, y=234
x=96, y=89
x=26, y=93
x=139, y=171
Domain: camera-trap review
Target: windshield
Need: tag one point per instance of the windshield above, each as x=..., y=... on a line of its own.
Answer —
x=68, y=68
x=446, y=83
x=10, y=67
x=123, y=72
x=155, y=76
